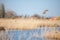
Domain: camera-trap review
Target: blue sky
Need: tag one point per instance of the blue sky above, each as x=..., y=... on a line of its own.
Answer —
x=30, y=7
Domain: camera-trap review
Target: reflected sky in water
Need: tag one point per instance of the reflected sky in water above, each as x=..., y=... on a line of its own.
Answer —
x=34, y=34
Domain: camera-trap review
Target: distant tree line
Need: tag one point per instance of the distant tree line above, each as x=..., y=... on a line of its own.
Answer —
x=12, y=14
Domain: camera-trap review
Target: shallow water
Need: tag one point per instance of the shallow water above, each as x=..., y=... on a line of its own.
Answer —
x=25, y=34
x=34, y=34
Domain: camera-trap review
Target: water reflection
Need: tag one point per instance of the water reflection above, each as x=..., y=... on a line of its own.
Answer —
x=34, y=34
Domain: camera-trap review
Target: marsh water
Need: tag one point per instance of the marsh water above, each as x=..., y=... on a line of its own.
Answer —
x=34, y=34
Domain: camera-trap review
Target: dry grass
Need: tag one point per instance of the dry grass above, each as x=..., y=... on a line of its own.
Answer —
x=27, y=23
x=51, y=35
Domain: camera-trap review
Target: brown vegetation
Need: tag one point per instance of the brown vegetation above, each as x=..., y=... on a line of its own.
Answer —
x=52, y=35
x=28, y=23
